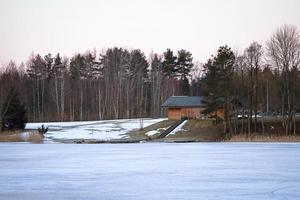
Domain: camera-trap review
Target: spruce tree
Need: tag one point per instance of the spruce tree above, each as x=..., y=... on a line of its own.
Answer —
x=13, y=112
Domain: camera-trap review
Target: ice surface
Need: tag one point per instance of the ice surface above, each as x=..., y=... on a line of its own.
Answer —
x=99, y=130
x=150, y=171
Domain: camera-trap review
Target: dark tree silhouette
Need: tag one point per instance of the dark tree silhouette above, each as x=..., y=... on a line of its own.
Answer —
x=13, y=112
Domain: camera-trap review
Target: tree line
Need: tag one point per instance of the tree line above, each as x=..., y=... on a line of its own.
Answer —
x=123, y=83
x=118, y=83
x=260, y=81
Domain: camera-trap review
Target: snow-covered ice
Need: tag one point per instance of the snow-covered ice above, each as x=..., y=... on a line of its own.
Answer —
x=98, y=130
x=150, y=171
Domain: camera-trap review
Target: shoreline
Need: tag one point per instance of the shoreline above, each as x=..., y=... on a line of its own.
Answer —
x=34, y=137
x=272, y=139
x=264, y=138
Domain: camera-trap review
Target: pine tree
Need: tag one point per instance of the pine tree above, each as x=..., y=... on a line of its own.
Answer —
x=169, y=64
x=184, y=86
x=218, y=82
x=210, y=86
x=184, y=64
x=13, y=112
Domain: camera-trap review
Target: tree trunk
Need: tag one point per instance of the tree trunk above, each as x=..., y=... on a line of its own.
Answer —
x=56, y=97
x=81, y=102
x=62, y=99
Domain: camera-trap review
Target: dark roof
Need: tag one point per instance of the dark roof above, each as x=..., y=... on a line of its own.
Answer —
x=183, y=101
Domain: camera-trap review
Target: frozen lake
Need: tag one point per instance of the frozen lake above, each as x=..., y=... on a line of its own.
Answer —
x=150, y=171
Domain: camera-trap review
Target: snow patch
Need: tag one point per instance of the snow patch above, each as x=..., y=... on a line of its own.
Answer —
x=153, y=132
x=98, y=130
x=178, y=128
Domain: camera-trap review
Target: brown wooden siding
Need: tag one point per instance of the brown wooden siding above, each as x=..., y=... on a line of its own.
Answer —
x=178, y=113
x=219, y=113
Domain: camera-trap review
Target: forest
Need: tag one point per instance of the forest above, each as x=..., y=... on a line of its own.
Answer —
x=125, y=83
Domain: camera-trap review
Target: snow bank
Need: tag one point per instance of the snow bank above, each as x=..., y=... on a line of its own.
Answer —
x=98, y=130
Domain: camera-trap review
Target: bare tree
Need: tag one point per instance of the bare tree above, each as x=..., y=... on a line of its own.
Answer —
x=284, y=51
x=253, y=55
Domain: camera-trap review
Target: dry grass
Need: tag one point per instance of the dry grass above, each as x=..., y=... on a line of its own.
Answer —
x=17, y=136
x=199, y=130
x=141, y=134
x=35, y=138
x=10, y=138
x=264, y=138
x=10, y=132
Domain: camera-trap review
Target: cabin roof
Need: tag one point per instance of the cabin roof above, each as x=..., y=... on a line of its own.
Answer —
x=183, y=101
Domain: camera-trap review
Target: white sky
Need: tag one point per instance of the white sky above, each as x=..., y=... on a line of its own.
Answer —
x=70, y=26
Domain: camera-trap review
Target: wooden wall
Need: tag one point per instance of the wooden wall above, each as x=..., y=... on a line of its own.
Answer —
x=177, y=113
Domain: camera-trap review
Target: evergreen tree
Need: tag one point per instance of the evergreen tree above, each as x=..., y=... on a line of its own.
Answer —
x=77, y=67
x=37, y=68
x=156, y=63
x=218, y=81
x=169, y=63
x=184, y=63
x=13, y=112
x=49, y=65
x=184, y=86
x=138, y=64
x=57, y=63
x=210, y=86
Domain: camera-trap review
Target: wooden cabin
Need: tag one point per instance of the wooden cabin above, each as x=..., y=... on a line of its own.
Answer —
x=183, y=106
